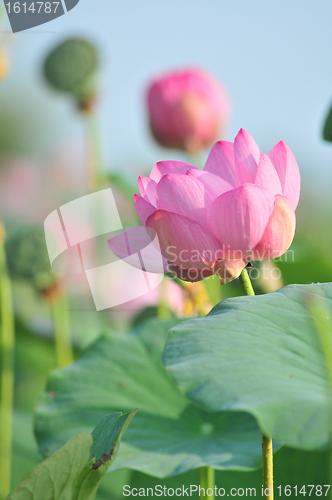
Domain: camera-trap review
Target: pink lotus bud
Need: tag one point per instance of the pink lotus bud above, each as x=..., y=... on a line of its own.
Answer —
x=188, y=109
x=241, y=206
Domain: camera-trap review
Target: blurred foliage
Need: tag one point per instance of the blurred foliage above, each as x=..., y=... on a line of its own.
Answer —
x=144, y=315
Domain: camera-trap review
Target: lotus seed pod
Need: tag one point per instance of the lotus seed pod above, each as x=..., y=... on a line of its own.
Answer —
x=327, y=129
x=28, y=258
x=71, y=67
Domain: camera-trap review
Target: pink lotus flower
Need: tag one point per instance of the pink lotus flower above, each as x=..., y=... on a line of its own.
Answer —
x=187, y=110
x=241, y=206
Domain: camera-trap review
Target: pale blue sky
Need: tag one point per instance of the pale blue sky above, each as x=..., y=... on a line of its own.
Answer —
x=274, y=57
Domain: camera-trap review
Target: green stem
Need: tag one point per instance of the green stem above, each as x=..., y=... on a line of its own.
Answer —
x=202, y=481
x=210, y=481
x=163, y=310
x=267, y=445
x=267, y=448
x=206, y=481
x=63, y=345
x=246, y=283
x=7, y=374
x=93, y=150
x=196, y=159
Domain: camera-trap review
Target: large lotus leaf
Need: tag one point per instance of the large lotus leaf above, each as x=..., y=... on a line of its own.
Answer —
x=261, y=355
x=169, y=434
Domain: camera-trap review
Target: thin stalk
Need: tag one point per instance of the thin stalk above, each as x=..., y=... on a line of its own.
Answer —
x=267, y=448
x=207, y=481
x=196, y=159
x=210, y=481
x=246, y=283
x=61, y=322
x=93, y=150
x=202, y=482
x=267, y=445
x=7, y=373
x=163, y=311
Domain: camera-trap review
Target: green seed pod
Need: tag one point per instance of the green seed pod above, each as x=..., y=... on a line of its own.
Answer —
x=327, y=129
x=71, y=67
x=28, y=258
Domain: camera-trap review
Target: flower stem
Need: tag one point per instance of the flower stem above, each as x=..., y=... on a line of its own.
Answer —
x=202, y=482
x=206, y=480
x=267, y=445
x=63, y=345
x=246, y=283
x=93, y=150
x=163, y=311
x=7, y=373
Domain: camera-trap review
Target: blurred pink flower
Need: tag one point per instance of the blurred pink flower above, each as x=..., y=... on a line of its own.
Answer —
x=212, y=221
x=187, y=109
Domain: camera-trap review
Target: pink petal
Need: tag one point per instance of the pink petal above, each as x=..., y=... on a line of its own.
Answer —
x=239, y=217
x=169, y=167
x=184, y=195
x=139, y=247
x=147, y=188
x=143, y=208
x=286, y=166
x=267, y=176
x=279, y=232
x=184, y=242
x=221, y=162
x=246, y=157
x=213, y=183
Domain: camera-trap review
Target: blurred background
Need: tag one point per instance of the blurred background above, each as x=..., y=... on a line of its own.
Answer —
x=274, y=61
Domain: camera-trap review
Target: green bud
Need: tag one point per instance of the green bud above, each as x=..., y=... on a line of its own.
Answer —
x=71, y=67
x=327, y=130
x=28, y=258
